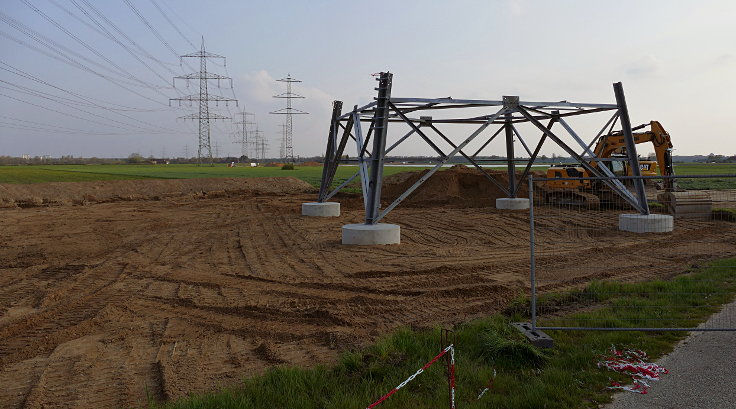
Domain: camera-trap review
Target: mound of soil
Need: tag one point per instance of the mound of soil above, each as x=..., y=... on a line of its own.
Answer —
x=79, y=193
x=459, y=186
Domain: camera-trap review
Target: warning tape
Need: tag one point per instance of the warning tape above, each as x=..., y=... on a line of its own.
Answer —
x=451, y=349
x=633, y=363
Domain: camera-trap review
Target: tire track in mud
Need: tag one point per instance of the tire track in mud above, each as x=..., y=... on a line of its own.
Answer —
x=216, y=288
x=60, y=322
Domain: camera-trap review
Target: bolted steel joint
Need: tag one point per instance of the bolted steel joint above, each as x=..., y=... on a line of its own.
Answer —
x=510, y=101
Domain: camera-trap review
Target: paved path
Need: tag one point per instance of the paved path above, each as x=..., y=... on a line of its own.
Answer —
x=702, y=372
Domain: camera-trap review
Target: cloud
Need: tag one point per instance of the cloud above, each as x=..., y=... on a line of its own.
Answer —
x=516, y=8
x=647, y=66
x=725, y=59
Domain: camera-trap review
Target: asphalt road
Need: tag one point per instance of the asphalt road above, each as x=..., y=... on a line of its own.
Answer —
x=702, y=372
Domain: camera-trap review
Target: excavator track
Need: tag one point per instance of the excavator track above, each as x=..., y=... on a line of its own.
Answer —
x=573, y=198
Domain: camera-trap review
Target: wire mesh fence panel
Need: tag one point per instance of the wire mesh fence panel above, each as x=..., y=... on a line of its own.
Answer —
x=661, y=270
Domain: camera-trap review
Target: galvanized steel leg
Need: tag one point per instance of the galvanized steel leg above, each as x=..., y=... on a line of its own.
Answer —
x=510, y=156
x=618, y=89
x=380, y=127
x=330, y=153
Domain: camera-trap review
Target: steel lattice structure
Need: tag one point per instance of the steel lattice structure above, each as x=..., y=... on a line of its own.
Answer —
x=244, y=132
x=287, y=149
x=504, y=114
x=204, y=97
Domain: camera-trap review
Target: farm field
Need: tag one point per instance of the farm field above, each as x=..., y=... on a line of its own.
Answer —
x=80, y=173
x=111, y=304
x=310, y=174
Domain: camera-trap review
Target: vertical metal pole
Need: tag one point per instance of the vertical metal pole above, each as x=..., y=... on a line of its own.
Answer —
x=618, y=90
x=532, y=261
x=380, y=124
x=330, y=152
x=510, y=156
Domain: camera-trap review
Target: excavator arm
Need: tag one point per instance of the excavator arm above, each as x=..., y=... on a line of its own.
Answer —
x=660, y=139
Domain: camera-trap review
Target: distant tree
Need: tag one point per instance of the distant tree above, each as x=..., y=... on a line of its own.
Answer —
x=135, y=157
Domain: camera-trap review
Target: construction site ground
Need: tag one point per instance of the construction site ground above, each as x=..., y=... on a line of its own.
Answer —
x=109, y=300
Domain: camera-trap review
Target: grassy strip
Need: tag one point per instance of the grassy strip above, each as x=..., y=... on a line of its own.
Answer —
x=79, y=173
x=565, y=377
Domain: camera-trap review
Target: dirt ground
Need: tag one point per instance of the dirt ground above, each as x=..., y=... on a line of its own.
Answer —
x=108, y=304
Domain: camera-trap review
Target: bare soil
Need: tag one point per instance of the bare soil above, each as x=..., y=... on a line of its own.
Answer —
x=108, y=304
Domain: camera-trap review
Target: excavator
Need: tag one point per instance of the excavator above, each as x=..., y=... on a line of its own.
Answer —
x=593, y=193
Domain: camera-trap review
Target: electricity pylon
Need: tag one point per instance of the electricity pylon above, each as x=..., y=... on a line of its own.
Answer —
x=243, y=132
x=288, y=154
x=204, y=97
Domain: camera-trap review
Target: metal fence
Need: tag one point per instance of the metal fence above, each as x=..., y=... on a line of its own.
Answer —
x=587, y=273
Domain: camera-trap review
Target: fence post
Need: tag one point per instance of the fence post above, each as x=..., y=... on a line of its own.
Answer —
x=532, y=263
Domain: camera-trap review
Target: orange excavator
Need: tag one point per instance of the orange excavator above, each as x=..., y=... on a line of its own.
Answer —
x=593, y=193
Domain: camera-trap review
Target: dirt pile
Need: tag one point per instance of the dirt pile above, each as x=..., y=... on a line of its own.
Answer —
x=80, y=193
x=458, y=186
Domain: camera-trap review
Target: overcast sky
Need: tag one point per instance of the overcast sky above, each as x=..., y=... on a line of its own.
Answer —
x=106, y=95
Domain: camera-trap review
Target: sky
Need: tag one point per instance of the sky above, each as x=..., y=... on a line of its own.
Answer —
x=94, y=78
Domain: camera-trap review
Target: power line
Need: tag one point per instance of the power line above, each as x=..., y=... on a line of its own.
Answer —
x=82, y=67
x=115, y=39
x=120, y=69
x=150, y=27
x=163, y=13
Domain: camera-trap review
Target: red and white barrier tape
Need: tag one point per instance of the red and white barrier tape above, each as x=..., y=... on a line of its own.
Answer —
x=450, y=348
x=632, y=363
x=487, y=388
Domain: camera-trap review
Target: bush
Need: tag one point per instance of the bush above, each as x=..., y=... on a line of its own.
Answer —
x=288, y=166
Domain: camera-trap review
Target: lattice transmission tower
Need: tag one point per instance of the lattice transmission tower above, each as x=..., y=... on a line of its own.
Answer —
x=204, y=97
x=243, y=132
x=261, y=145
x=288, y=150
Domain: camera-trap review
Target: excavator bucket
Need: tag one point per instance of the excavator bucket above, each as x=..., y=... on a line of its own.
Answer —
x=688, y=204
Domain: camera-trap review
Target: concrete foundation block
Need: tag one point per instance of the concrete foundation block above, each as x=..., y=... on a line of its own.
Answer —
x=326, y=209
x=369, y=234
x=649, y=223
x=508, y=203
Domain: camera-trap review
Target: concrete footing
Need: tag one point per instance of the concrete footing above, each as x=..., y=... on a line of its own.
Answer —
x=646, y=223
x=326, y=209
x=508, y=203
x=368, y=234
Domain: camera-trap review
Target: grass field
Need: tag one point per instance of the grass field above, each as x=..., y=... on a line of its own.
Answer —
x=80, y=173
x=310, y=174
x=563, y=377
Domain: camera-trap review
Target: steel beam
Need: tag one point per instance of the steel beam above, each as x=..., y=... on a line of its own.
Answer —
x=533, y=156
x=380, y=125
x=623, y=110
x=418, y=131
x=362, y=166
x=575, y=155
x=510, y=165
x=498, y=131
x=330, y=152
x=482, y=102
x=622, y=191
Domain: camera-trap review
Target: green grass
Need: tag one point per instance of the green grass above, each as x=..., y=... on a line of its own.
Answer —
x=689, y=169
x=79, y=173
x=527, y=377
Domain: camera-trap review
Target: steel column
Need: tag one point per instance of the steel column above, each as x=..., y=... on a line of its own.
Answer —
x=618, y=89
x=380, y=124
x=511, y=167
x=330, y=153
